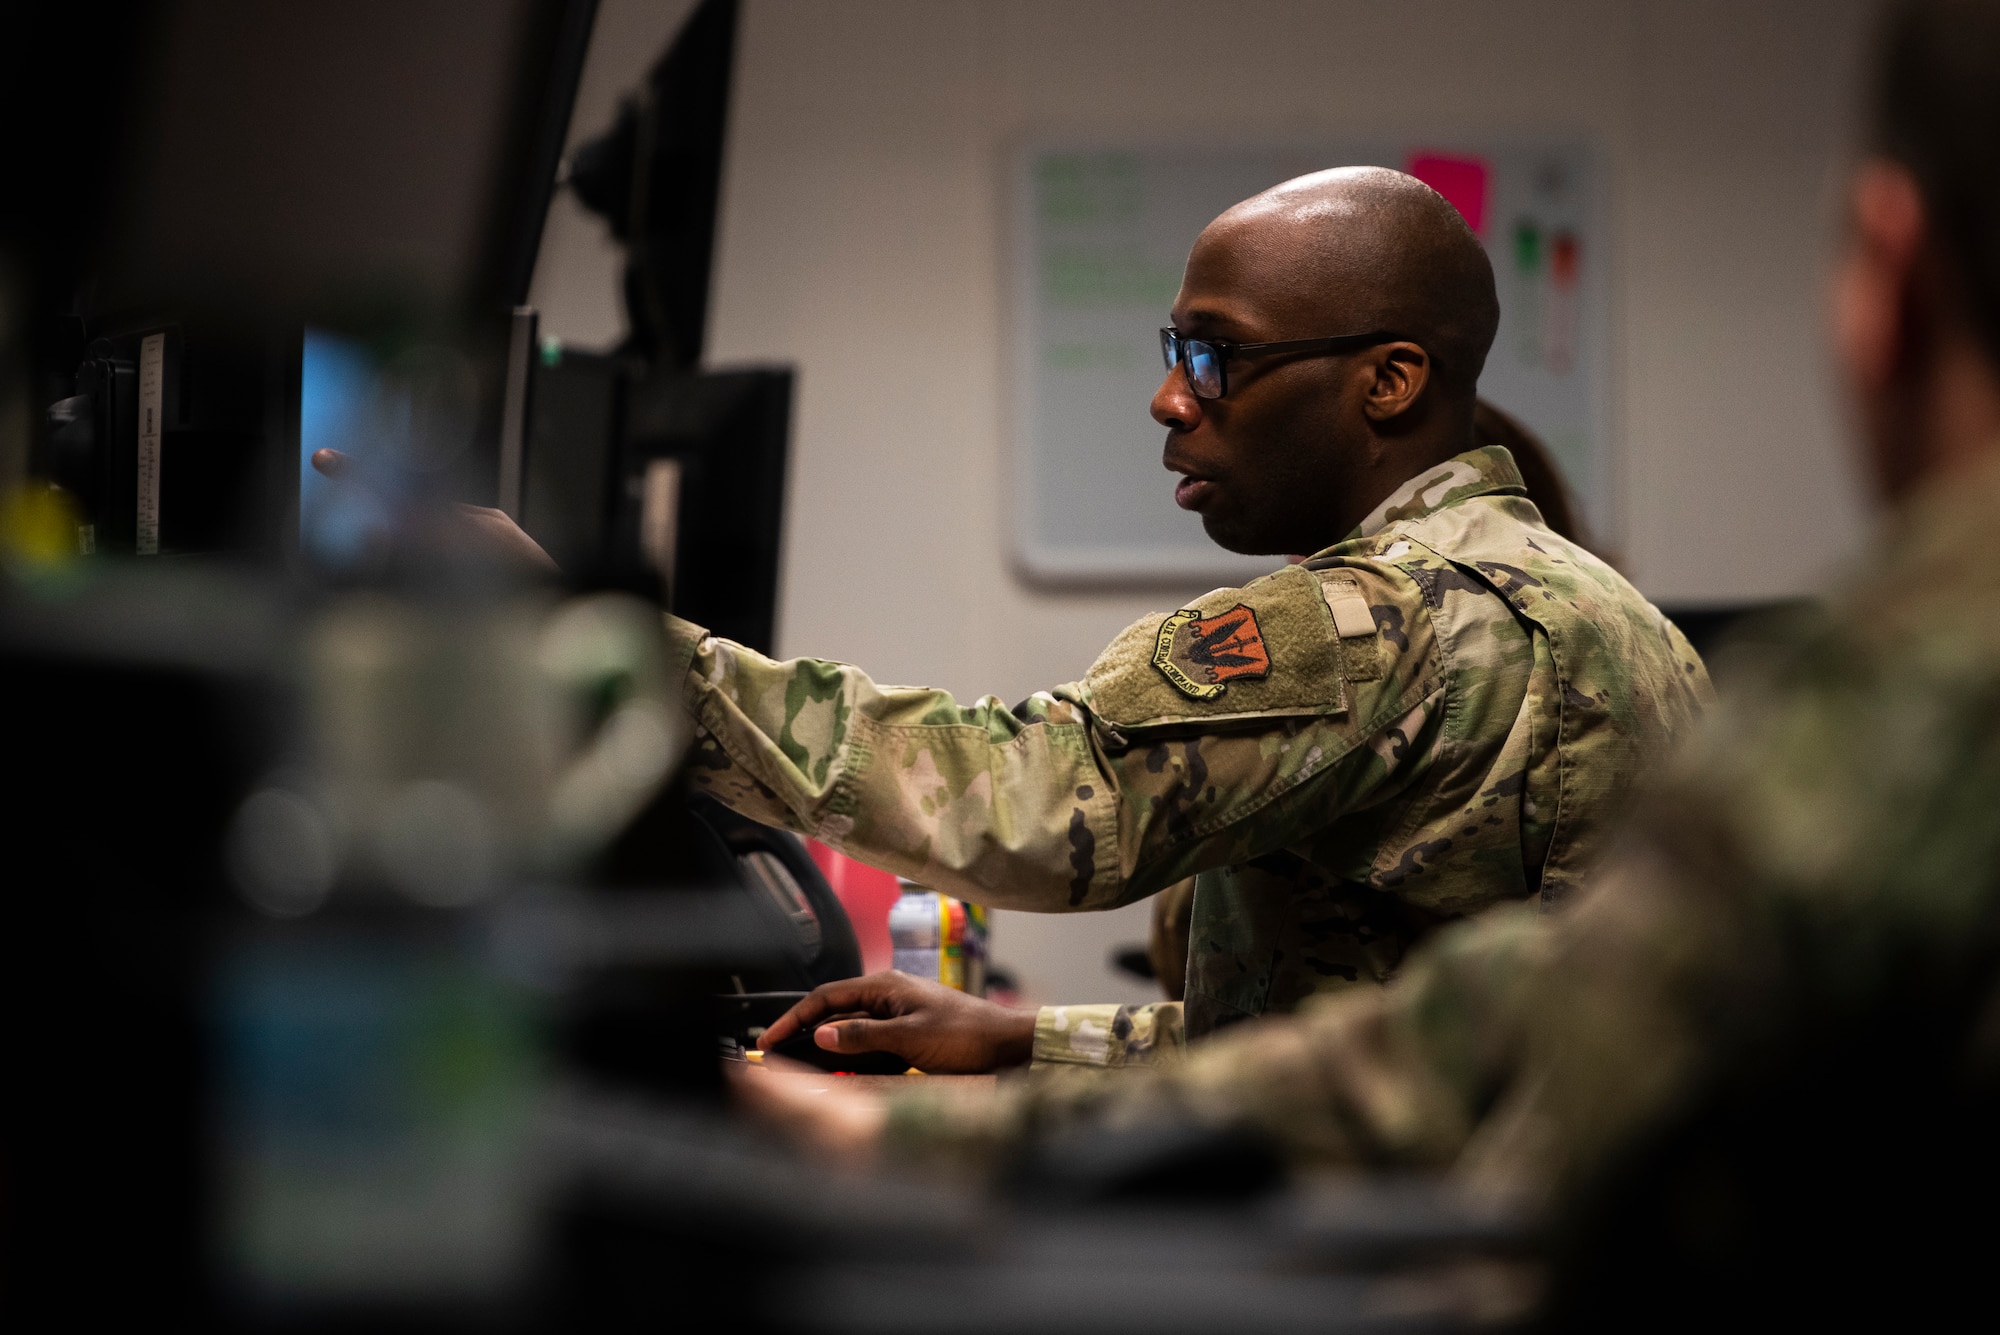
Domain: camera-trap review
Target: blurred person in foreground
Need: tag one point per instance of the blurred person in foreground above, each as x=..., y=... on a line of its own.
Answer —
x=1439, y=710
x=1756, y=1066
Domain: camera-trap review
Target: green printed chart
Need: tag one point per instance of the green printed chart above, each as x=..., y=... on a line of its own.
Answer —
x=1098, y=237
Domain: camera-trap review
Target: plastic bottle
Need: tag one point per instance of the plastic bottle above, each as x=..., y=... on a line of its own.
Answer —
x=940, y=938
x=978, y=941
x=914, y=932
x=951, y=942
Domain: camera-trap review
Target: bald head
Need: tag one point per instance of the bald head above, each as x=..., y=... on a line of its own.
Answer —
x=1300, y=446
x=1362, y=248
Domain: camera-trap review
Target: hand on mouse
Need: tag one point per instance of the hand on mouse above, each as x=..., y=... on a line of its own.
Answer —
x=478, y=528
x=932, y=1027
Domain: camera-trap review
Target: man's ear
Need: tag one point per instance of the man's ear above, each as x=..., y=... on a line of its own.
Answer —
x=1875, y=282
x=1400, y=373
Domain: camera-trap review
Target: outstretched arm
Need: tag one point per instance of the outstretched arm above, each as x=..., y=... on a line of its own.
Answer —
x=480, y=529
x=1015, y=808
x=1047, y=806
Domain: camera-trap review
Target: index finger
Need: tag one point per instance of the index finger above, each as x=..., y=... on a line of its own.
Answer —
x=827, y=999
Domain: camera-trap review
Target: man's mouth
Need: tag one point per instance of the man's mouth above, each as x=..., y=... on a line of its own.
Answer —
x=1191, y=493
x=1195, y=489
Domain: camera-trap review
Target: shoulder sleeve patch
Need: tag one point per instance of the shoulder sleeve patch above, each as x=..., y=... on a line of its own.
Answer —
x=1202, y=655
x=1267, y=649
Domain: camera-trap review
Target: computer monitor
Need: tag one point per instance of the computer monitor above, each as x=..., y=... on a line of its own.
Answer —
x=673, y=483
x=158, y=438
x=656, y=179
x=637, y=467
x=377, y=172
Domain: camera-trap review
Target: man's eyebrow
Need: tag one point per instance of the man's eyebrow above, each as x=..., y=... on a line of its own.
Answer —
x=1199, y=321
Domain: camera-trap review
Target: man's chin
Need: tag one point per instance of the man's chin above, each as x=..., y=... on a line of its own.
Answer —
x=1237, y=538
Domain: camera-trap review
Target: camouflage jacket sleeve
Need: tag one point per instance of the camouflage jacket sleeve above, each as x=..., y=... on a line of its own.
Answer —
x=1108, y=1034
x=1096, y=793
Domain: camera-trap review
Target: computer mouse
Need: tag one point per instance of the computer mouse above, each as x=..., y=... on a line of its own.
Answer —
x=801, y=1048
x=745, y=1015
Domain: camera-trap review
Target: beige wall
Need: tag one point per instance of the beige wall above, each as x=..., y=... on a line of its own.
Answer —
x=861, y=241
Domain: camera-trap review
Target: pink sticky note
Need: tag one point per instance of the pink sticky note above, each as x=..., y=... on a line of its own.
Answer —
x=1460, y=180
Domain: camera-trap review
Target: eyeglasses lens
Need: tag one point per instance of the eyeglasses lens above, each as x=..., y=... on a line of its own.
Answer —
x=1204, y=368
x=1170, y=348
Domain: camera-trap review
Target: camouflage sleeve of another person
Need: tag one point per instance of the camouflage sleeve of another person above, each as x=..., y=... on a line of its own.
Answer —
x=1391, y=1077
x=1525, y=1050
x=1059, y=804
x=1115, y=1035
x=1108, y=1034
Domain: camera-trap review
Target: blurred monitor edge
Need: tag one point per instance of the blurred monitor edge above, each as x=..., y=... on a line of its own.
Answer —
x=376, y=167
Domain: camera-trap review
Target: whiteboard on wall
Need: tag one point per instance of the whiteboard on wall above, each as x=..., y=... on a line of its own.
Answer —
x=1099, y=236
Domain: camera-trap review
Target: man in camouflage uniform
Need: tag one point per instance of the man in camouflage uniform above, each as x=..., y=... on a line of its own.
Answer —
x=1756, y=1066
x=1436, y=713
x=1173, y=908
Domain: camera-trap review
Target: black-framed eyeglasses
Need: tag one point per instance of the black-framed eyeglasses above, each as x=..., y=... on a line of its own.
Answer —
x=1206, y=361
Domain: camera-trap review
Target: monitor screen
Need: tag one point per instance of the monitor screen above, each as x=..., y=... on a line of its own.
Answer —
x=338, y=525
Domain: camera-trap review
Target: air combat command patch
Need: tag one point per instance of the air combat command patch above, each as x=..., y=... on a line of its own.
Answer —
x=1200, y=656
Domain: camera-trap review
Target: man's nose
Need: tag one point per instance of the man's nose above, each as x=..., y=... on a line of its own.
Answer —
x=1174, y=404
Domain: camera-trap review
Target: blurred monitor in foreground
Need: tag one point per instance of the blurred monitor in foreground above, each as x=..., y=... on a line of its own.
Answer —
x=379, y=165
x=376, y=171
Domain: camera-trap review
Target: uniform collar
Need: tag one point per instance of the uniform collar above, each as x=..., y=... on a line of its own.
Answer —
x=1480, y=472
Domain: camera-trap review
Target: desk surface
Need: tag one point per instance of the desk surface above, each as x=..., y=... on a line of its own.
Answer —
x=874, y=1084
